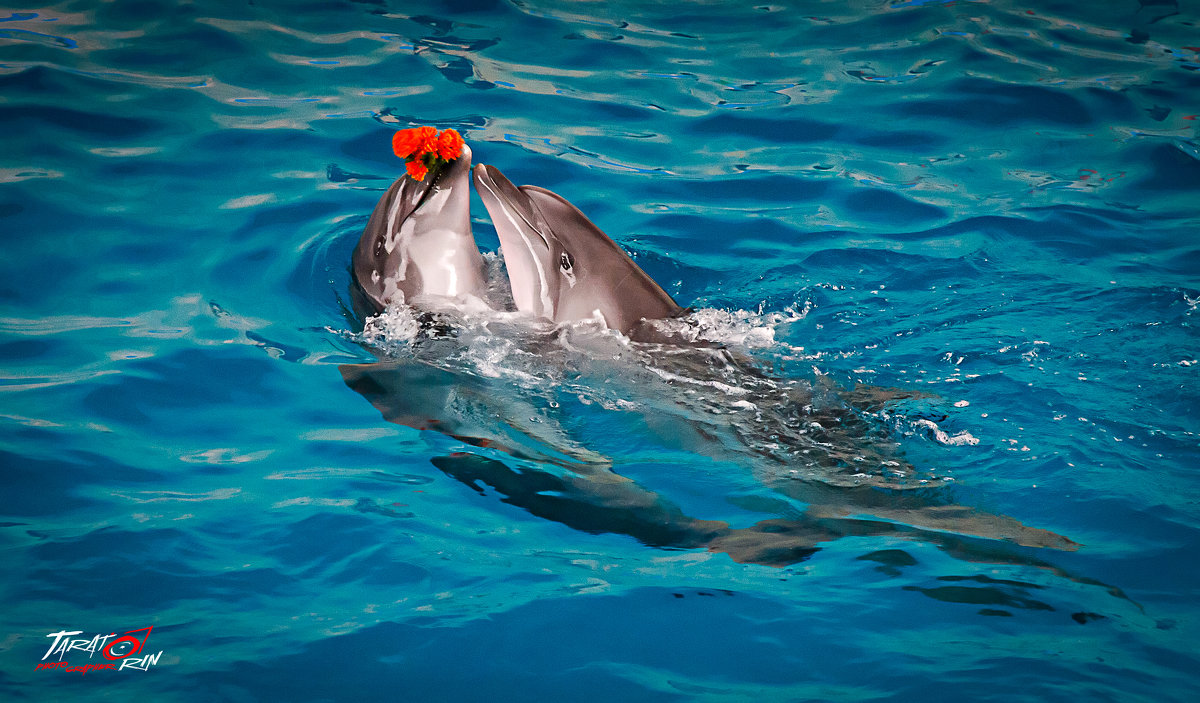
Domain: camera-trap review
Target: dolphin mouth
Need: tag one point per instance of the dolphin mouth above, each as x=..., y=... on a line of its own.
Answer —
x=523, y=240
x=457, y=170
x=488, y=179
x=407, y=196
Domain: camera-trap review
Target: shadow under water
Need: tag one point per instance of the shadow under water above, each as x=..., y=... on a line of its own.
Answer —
x=810, y=442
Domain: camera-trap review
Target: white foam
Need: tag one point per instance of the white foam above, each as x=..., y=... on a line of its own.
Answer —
x=395, y=326
x=738, y=328
x=939, y=435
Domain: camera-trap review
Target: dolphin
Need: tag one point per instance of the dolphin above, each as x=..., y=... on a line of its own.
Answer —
x=418, y=243
x=417, y=248
x=564, y=268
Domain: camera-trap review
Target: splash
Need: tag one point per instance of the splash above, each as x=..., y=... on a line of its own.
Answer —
x=737, y=328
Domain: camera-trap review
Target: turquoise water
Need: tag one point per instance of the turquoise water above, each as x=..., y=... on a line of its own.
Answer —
x=990, y=205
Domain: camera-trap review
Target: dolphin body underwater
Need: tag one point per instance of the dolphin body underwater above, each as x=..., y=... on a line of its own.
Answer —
x=564, y=268
x=417, y=249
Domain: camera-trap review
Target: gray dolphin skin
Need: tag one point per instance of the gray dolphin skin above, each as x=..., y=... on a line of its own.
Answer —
x=561, y=266
x=418, y=241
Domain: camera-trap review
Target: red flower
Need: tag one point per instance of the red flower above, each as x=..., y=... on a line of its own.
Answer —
x=413, y=143
x=449, y=145
x=416, y=169
x=424, y=149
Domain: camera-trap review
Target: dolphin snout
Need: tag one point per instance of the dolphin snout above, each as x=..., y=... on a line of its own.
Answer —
x=501, y=197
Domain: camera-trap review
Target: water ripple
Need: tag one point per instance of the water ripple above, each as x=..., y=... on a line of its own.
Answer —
x=990, y=205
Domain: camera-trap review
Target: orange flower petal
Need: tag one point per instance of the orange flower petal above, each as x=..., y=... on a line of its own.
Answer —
x=405, y=142
x=414, y=143
x=416, y=169
x=428, y=137
x=450, y=145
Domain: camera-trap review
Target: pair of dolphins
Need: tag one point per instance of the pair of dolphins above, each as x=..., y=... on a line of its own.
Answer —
x=417, y=248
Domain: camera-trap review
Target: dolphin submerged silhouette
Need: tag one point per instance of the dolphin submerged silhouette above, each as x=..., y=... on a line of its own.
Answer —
x=564, y=268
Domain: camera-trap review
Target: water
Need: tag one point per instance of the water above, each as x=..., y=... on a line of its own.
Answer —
x=991, y=204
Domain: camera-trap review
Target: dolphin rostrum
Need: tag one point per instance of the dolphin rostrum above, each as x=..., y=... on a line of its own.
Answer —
x=418, y=241
x=561, y=266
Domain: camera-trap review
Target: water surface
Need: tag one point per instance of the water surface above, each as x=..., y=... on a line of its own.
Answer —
x=988, y=204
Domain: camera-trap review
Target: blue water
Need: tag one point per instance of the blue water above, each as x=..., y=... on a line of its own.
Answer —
x=992, y=204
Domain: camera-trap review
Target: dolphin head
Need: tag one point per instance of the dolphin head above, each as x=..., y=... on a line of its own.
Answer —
x=418, y=241
x=560, y=265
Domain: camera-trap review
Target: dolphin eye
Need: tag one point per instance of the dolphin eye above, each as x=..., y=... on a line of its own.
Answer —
x=566, y=261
